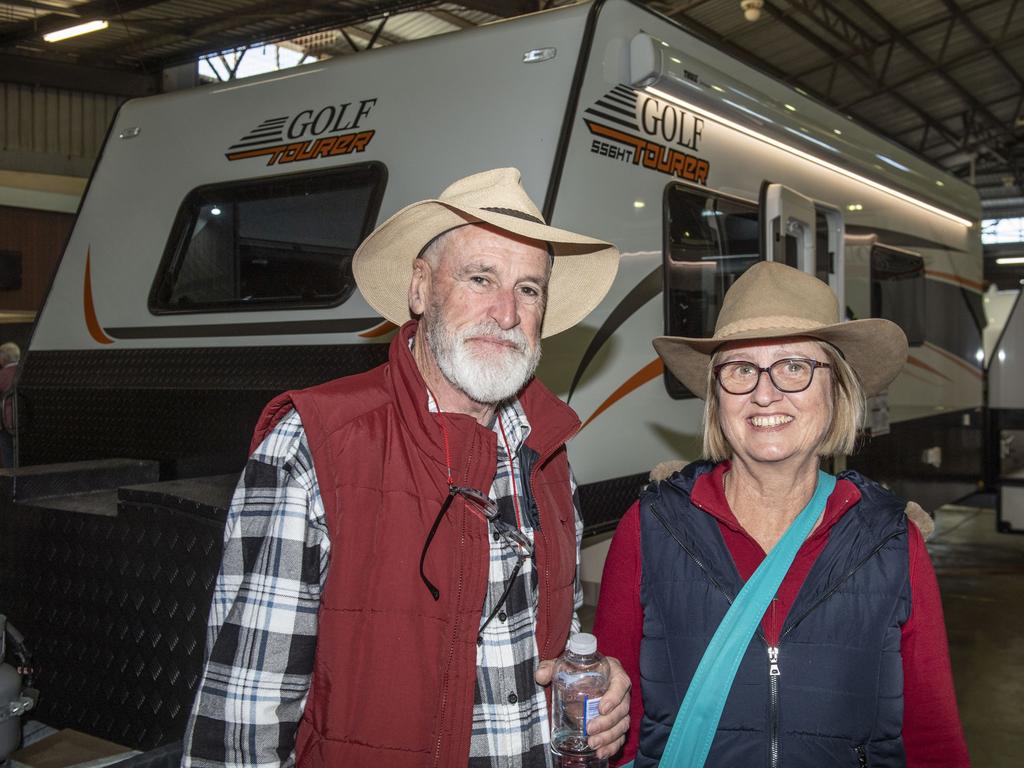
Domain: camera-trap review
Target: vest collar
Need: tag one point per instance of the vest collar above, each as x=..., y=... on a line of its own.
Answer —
x=708, y=494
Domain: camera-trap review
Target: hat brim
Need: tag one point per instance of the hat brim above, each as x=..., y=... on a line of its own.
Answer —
x=582, y=271
x=876, y=349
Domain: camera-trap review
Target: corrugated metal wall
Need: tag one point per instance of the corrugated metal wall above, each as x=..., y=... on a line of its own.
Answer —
x=55, y=122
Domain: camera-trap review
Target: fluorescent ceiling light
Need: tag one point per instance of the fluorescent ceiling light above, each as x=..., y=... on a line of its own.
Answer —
x=75, y=31
x=805, y=155
x=1011, y=260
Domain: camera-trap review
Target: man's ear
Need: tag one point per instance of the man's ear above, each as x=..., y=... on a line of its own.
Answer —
x=419, y=287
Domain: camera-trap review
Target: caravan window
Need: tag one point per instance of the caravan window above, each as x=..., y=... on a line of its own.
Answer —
x=898, y=290
x=284, y=241
x=709, y=241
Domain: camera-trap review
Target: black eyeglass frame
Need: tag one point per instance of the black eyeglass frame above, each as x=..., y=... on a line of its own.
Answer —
x=510, y=535
x=717, y=370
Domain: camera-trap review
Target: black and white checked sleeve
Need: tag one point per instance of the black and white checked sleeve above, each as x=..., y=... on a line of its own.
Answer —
x=261, y=635
x=578, y=595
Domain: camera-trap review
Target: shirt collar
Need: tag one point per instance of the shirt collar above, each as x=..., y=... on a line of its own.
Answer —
x=511, y=425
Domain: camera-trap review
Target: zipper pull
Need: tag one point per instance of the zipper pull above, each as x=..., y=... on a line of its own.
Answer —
x=773, y=662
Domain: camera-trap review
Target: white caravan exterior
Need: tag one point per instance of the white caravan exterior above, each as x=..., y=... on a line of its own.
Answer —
x=625, y=127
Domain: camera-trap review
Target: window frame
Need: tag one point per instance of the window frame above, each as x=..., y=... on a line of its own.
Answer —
x=184, y=224
x=673, y=387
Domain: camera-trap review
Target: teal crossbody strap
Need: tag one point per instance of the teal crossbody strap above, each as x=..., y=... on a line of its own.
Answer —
x=697, y=721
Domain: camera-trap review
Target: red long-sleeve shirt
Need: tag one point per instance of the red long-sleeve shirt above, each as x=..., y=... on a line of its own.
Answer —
x=932, y=734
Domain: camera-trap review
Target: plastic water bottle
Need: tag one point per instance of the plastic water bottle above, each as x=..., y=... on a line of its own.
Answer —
x=581, y=677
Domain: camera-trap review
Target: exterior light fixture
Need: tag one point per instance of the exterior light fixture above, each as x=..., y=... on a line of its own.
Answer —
x=751, y=9
x=1010, y=260
x=75, y=31
x=805, y=155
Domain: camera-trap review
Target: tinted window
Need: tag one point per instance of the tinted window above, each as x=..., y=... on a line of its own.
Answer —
x=709, y=242
x=285, y=241
x=898, y=290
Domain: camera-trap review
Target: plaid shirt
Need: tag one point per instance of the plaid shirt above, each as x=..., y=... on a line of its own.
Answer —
x=262, y=629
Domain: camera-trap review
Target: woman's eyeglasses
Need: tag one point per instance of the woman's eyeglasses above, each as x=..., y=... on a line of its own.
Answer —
x=793, y=374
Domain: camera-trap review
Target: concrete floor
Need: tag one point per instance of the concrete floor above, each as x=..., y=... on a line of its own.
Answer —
x=981, y=574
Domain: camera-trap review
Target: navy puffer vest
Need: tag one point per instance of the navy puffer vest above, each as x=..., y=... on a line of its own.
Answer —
x=838, y=700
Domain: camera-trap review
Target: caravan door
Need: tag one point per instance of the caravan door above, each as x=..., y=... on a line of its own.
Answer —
x=802, y=233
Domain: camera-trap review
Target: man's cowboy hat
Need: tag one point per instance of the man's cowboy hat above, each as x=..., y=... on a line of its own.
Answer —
x=582, y=269
x=771, y=300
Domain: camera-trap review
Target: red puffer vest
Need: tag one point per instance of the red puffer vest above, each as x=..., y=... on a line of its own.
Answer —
x=395, y=671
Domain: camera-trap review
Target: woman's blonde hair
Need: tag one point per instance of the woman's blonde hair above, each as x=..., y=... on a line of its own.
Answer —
x=848, y=405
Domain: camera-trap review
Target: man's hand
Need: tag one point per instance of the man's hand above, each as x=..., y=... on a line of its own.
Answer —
x=608, y=731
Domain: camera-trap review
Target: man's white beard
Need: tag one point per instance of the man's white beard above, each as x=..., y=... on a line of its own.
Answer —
x=492, y=378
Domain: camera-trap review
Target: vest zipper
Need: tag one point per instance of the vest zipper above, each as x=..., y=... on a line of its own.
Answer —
x=774, y=672
x=451, y=652
x=442, y=710
x=773, y=689
x=843, y=580
x=773, y=667
x=686, y=549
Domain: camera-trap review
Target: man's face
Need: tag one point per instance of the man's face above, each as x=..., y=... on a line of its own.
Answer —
x=482, y=310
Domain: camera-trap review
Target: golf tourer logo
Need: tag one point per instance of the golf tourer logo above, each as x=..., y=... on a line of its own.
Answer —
x=326, y=131
x=635, y=128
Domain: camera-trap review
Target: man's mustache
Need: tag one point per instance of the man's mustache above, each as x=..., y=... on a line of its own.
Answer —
x=514, y=336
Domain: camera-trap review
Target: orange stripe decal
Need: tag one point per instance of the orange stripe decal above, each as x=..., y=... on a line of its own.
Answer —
x=954, y=358
x=379, y=330
x=91, y=322
x=967, y=283
x=651, y=371
x=924, y=366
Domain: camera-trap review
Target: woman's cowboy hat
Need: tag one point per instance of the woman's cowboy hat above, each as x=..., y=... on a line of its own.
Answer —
x=582, y=270
x=771, y=300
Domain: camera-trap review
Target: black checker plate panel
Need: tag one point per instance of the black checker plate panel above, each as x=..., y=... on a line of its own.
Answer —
x=114, y=612
x=193, y=406
x=603, y=504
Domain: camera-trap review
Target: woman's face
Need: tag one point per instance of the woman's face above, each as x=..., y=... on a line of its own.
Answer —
x=771, y=426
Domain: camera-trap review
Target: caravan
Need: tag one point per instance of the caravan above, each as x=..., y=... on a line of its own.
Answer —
x=210, y=264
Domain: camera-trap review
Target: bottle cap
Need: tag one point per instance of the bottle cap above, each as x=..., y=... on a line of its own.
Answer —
x=583, y=644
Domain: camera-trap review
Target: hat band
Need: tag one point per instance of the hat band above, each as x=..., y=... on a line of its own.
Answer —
x=515, y=213
x=767, y=323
